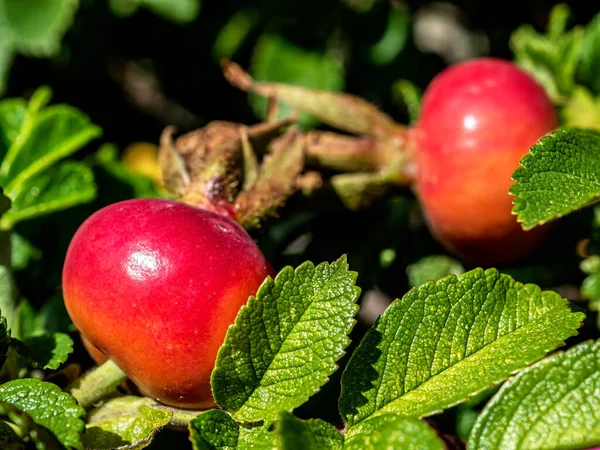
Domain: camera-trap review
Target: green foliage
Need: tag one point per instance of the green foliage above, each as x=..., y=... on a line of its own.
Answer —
x=552, y=404
x=124, y=423
x=216, y=430
x=35, y=27
x=49, y=407
x=449, y=340
x=278, y=60
x=296, y=434
x=28, y=430
x=561, y=174
x=32, y=139
x=433, y=267
x=180, y=11
x=266, y=363
x=392, y=431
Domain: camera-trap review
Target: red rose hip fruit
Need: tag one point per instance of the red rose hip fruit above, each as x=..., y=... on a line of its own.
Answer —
x=478, y=119
x=154, y=284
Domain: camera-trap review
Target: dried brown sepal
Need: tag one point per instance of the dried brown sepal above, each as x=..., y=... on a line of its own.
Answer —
x=276, y=182
x=344, y=111
x=175, y=176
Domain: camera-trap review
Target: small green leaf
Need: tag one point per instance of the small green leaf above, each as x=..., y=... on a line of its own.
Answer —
x=51, y=134
x=433, y=267
x=394, y=38
x=552, y=404
x=27, y=428
x=13, y=113
x=181, y=11
x=7, y=55
x=47, y=351
x=285, y=342
x=560, y=175
x=60, y=187
x=581, y=110
x=313, y=434
x=233, y=34
x=36, y=27
x=448, y=340
x=216, y=430
x=392, y=431
x=23, y=252
x=49, y=407
x=590, y=58
x=278, y=60
x=124, y=423
x=552, y=58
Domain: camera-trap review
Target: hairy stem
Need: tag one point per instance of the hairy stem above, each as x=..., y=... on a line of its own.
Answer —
x=97, y=384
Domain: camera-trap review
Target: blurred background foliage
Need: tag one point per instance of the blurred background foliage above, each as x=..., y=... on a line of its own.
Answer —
x=136, y=66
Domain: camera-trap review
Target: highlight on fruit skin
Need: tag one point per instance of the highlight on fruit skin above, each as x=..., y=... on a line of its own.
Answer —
x=154, y=284
x=478, y=119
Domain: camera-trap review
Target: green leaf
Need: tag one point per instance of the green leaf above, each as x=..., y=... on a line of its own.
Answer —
x=448, y=340
x=27, y=428
x=23, y=252
x=47, y=351
x=552, y=404
x=233, y=34
x=216, y=430
x=581, y=110
x=285, y=342
x=432, y=267
x=36, y=27
x=394, y=38
x=6, y=58
x=51, y=134
x=124, y=423
x=560, y=175
x=552, y=58
x=60, y=187
x=278, y=60
x=392, y=431
x=312, y=434
x=49, y=407
x=182, y=11
x=13, y=113
x=589, y=69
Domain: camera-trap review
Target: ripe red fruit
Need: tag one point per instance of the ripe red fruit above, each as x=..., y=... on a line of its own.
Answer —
x=154, y=284
x=478, y=119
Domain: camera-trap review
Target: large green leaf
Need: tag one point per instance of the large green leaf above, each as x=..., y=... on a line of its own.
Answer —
x=27, y=428
x=48, y=406
x=448, y=340
x=560, y=175
x=285, y=342
x=390, y=431
x=553, y=404
x=590, y=60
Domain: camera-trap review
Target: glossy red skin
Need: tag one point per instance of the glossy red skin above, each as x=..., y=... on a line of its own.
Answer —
x=154, y=284
x=478, y=119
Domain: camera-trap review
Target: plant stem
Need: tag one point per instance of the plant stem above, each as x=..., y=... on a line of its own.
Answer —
x=97, y=384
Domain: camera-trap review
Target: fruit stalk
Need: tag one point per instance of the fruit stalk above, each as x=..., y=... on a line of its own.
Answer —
x=97, y=384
